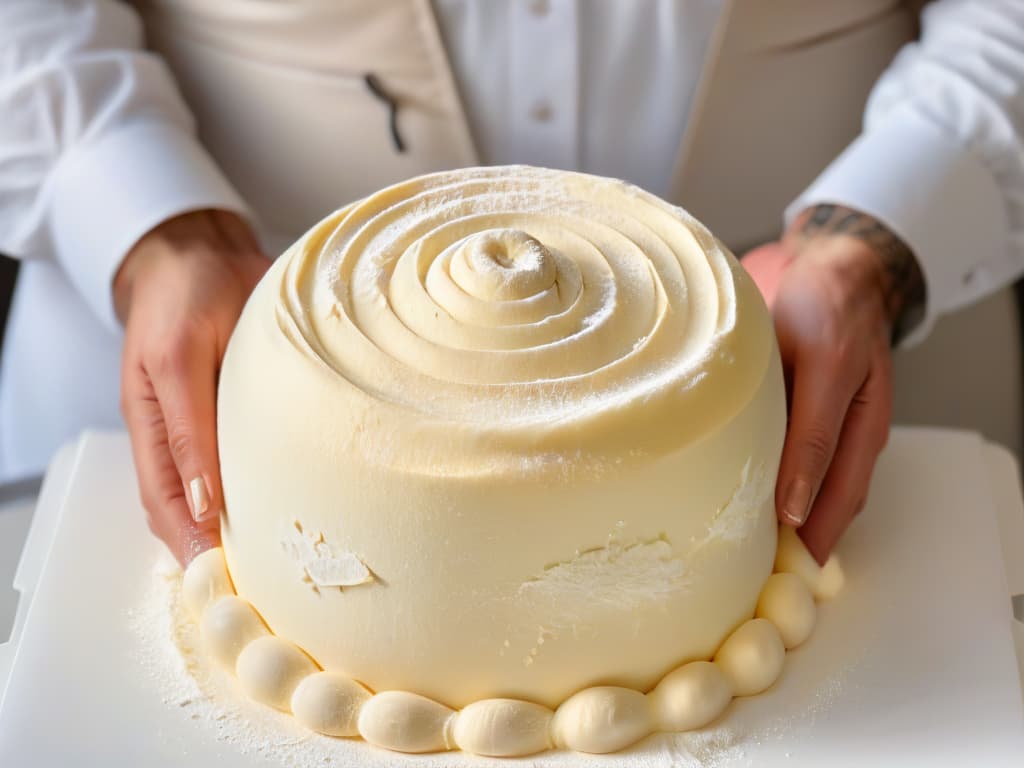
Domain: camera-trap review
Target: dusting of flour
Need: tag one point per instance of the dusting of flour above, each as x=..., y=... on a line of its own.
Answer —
x=208, y=699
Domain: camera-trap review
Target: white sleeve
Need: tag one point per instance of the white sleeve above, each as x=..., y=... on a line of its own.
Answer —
x=96, y=144
x=941, y=157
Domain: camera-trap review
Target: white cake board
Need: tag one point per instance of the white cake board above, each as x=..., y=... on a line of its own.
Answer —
x=913, y=664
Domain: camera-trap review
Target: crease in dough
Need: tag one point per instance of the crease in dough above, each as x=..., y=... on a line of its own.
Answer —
x=617, y=575
x=737, y=518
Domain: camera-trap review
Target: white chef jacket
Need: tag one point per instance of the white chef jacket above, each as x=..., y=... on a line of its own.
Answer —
x=97, y=147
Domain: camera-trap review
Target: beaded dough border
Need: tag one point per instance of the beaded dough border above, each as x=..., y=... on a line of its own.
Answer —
x=601, y=719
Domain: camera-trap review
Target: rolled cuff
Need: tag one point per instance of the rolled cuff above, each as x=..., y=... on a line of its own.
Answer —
x=932, y=193
x=106, y=194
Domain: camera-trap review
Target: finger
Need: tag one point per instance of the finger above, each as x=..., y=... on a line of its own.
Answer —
x=159, y=482
x=767, y=265
x=845, y=488
x=185, y=384
x=820, y=400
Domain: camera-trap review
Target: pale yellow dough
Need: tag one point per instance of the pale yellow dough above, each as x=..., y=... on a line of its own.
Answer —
x=824, y=581
x=503, y=433
x=329, y=703
x=598, y=719
x=788, y=604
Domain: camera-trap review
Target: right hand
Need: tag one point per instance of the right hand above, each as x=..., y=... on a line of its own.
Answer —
x=179, y=292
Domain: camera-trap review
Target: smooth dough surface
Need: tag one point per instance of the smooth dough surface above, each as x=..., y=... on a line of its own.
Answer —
x=227, y=626
x=792, y=556
x=751, y=658
x=539, y=415
x=329, y=703
x=503, y=727
x=602, y=719
x=406, y=722
x=205, y=580
x=270, y=668
x=788, y=604
x=690, y=697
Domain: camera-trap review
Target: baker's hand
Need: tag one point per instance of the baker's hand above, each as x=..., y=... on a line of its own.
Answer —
x=838, y=284
x=179, y=293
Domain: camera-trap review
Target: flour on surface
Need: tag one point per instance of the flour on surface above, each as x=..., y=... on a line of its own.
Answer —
x=208, y=698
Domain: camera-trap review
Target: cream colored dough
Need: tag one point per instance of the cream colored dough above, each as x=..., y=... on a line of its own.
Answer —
x=599, y=719
x=751, y=657
x=502, y=433
x=788, y=604
x=792, y=556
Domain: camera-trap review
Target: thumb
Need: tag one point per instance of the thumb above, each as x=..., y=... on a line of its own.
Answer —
x=814, y=424
x=186, y=388
x=159, y=483
x=766, y=265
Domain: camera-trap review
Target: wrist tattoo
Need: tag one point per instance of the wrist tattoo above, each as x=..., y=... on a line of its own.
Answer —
x=903, y=286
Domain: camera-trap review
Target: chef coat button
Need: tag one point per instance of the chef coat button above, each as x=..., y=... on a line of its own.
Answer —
x=542, y=112
x=540, y=7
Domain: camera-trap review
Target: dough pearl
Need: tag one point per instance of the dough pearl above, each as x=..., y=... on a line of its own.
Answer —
x=329, y=703
x=751, y=657
x=205, y=579
x=227, y=626
x=788, y=604
x=406, y=722
x=270, y=669
x=503, y=728
x=690, y=696
x=602, y=719
x=792, y=557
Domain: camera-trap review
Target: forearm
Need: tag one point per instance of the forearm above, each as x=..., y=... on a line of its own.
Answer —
x=941, y=158
x=96, y=144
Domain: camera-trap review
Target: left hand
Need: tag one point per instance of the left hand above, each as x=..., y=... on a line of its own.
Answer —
x=830, y=287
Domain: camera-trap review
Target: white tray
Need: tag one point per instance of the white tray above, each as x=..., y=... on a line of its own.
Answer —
x=913, y=664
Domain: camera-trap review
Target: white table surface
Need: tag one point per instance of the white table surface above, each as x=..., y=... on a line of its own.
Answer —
x=15, y=518
x=934, y=690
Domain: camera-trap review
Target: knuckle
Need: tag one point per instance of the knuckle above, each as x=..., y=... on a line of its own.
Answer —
x=842, y=352
x=179, y=439
x=816, y=445
x=173, y=356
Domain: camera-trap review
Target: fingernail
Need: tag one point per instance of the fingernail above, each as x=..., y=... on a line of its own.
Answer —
x=798, y=501
x=200, y=498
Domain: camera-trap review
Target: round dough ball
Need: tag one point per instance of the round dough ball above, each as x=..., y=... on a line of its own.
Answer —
x=227, y=626
x=602, y=719
x=690, y=696
x=270, y=669
x=329, y=703
x=406, y=722
x=792, y=557
x=788, y=604
x=503, y=728
x=559, y=350
x=205, y=579
x=751, y=657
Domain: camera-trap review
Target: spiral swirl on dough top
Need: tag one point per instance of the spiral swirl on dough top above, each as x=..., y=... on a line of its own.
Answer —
x=489, y=313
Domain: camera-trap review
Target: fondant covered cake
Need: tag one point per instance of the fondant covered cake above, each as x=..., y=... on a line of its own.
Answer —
x=503, y=441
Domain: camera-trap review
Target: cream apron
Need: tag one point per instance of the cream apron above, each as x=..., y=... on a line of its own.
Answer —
x=279, y=94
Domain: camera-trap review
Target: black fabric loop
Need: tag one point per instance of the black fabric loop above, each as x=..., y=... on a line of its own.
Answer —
x=375, y=87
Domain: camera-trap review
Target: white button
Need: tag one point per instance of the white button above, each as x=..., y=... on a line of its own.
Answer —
x=540, y=7
x=542, y=112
